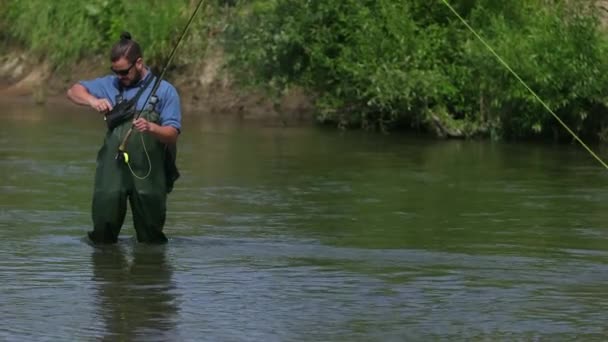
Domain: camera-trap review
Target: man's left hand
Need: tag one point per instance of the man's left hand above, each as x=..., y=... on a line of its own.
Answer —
x=143, y=125
x=165, y=134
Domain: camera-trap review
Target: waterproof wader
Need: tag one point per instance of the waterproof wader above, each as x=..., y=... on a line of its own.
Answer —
x=115, y=183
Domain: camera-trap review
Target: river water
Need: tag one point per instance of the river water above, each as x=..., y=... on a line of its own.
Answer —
x=305, y=234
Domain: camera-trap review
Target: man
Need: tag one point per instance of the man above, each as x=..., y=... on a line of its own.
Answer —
x=146, y=175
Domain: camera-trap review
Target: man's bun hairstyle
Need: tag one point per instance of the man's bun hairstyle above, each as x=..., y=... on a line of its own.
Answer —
x=125, y=35
x=126, y=47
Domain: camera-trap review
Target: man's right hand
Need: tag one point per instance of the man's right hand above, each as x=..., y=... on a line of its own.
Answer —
x=101, y=105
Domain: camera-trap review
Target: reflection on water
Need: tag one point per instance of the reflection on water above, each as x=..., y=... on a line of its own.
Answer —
x=299, y=234
x=135, y=296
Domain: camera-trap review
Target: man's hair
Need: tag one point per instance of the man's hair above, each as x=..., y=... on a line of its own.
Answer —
x=127, y=48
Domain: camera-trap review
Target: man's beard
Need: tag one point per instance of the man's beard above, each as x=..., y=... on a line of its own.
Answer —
x=136, y=79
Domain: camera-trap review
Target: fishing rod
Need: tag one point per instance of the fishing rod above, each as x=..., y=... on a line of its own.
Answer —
x=122, y=149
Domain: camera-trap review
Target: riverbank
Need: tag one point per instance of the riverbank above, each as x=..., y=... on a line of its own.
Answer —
x=410, y=69
x=205, y=88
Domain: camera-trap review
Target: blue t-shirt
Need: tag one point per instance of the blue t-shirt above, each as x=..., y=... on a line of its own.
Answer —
x=168, y=105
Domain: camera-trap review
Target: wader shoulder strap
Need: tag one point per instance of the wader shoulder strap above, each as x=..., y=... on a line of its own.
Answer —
x=121, y=90
x=143, y=87
x=124, y=110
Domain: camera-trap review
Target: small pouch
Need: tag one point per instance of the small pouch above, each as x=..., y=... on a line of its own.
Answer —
x=122, y=112
x=125, y=110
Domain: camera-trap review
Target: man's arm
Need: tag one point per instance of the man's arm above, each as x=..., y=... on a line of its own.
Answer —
x=80, y=95
x=166, y=134
x=170, y=112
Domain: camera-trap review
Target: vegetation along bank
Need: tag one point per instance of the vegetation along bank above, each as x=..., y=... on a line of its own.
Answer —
x=389, y=65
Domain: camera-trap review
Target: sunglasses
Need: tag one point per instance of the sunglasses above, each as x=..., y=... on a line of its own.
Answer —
x=122, y=72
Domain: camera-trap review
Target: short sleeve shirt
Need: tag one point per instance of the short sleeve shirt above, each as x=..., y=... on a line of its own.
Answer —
x=168, y=105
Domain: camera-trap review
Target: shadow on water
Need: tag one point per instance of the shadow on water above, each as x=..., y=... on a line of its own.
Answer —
x=135, y=297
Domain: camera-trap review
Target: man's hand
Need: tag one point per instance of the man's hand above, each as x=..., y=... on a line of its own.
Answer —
x=101, y=105
x=165, y=134
x=143, y=125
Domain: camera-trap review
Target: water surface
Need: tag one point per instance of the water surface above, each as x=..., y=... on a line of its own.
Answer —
x=305, y=234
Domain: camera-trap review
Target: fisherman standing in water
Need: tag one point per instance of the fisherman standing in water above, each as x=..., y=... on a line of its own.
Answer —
x=146, y=174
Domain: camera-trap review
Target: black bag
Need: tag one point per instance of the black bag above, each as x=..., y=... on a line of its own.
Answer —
x=122, y=112
x=125, y=110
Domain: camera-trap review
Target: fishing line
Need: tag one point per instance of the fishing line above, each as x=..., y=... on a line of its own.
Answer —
x=122, y=149
x=126, y=156
x=525, y=85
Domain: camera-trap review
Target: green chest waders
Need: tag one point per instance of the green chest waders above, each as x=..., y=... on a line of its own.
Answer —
x=115, y=183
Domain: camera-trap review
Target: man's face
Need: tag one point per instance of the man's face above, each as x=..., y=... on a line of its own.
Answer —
x=128, y=73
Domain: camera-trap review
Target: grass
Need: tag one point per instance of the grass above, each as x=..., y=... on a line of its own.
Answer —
x=64, y=32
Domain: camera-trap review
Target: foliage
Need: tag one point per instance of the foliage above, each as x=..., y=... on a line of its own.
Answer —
x=388, y=63
x=560, y=53
x=68, y=30
x=378, y=64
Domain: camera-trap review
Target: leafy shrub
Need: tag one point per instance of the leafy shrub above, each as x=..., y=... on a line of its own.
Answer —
x=392, y=63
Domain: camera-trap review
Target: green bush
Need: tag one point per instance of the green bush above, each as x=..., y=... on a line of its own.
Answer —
x=389, y=63
x=560, y=53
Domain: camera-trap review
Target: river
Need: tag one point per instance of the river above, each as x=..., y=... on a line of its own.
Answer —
x=305, y=234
